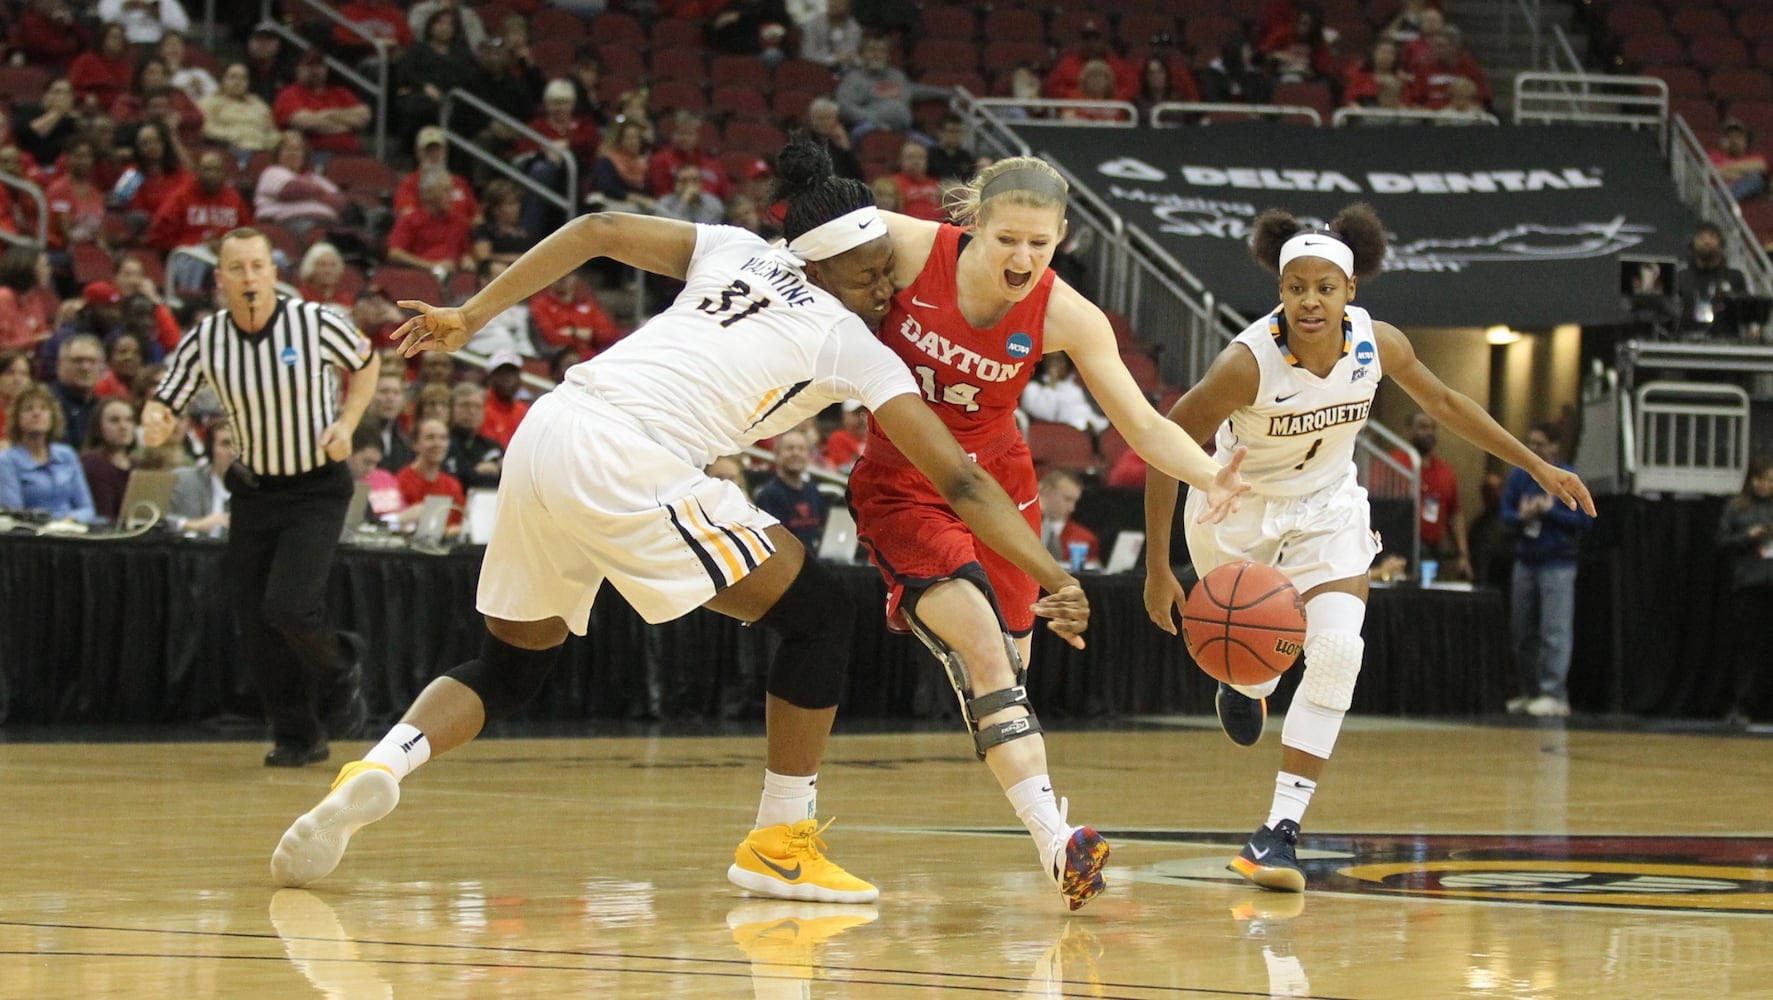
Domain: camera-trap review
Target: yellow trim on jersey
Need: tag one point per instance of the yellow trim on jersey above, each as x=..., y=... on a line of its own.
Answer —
x=753, y=542
x=713, y=540
x=1278, y=332
x=768, y=399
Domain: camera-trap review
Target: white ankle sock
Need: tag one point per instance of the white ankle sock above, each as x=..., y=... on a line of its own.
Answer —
x=1291, y=795
x=1035, y=806
x=787, y=799
x=401, y=751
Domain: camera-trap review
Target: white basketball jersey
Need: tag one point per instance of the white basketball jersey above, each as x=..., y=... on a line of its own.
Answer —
x=1300, y=430
x=749, y=349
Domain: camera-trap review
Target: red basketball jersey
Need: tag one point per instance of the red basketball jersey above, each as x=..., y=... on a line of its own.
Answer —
x=972, y=378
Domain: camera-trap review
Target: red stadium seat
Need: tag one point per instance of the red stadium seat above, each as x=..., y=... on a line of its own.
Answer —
x=946, y=54
x=738, y=100
x=789, y=104
x=622, y=60
x=22, y=84
x=1636, y=19
x=1683, y=81
x=1136, y=29
x=408, y=283
x=1016, y=25
x=755, y=137
x=747, y=71
x=1694, y=21
x=1001, y=56
x=1755, y=23
x=1209, y=32
x=1067, y=26
x=554, y=58
x=91, y=263
x=803, y=74
x=1700, y=113
x=1757, y=115
x=608, y=27
x=1062, y=446
x=682, y=65
x=944, y=21
x=671, y=96
x=1314, y=95
x=1741, y=83
x=364, y=174
x=1708, y=54
x=1144, y=372
x=1758, y=214
x=881, y=147
x=1653, y=49
x=1111, y=446
x=684, y=31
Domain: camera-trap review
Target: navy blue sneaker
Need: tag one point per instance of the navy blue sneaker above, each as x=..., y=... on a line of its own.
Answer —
x=1270, y=859
x=1241, y=716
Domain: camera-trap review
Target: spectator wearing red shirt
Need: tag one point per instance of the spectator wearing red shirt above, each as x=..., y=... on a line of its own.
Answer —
x=567, y=314
x=504, y=411
x=1298, y=50
x=1744, y=170
x=685, y=147
x=201, y=210
x=1449, y=61
x=383, y=19
x=425, y=476
x=158, y=171
x=1063, y=81
x=152, y=78
x=132, y=280
x=1419, y=50
x=76, y=203
x=48, y=36
x=844, y=445
x=920, y=195
x=100, y=75
x=328, y=114
x=434, y=237
x=1442, y=525
x=433, y=153
x=1360, y=81
x=567, y=135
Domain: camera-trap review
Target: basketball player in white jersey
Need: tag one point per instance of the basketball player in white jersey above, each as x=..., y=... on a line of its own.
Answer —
x=604, y=481
x=1295, y=389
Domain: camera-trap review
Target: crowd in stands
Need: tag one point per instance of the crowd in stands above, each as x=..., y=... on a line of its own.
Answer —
x=148, y=147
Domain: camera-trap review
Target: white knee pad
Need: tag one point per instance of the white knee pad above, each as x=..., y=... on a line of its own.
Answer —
x=1332, y=663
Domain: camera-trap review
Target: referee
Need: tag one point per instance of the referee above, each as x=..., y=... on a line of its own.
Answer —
x=273, y=361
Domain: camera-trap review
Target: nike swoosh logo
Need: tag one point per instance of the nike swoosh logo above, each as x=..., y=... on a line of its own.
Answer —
x=921, y=304
x=1282, y=399
x=1026, y=505
x=1046, y=788
x=1258, y=855
x=790, y=874
x=864, y=224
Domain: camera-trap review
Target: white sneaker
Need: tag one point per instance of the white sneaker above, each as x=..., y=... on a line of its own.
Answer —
x=1517, y=705
x=313, y=845
x=1547, y=707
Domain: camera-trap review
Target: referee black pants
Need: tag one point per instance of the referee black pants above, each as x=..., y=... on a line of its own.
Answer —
x=281, y=535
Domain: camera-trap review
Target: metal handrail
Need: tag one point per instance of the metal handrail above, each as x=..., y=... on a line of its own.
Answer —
x=1223, y=107
x=379, y=87
x=1056, y=104
x=1702, y=188
x=1532, y=14
x=36, y=195
x=566, y=202
x=1563, y=47
x=1343, y=116
x=1592, y=98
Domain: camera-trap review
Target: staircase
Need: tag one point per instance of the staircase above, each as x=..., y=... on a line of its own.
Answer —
x=1500, y=35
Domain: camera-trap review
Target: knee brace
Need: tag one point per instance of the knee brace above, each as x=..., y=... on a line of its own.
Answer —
x=1332, y=664
x=972, y=709
x=815, y=617
x=505, y=677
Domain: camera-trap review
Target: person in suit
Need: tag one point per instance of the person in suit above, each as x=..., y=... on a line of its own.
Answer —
x=199, y=494
x=1059, y=492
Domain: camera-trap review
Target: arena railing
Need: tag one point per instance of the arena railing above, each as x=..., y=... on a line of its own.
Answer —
x=377, y=89
x=1127, y=114
x=1410, y=116
x=1560, y=56
x=34, y=193
x=1160, y=114
x=1702, y=188
x=1691, y=437
x=1542, y=98
x=566, y=202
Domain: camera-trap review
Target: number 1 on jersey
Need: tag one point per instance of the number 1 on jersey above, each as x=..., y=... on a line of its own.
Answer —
x=961, y=394
x=1309, y=455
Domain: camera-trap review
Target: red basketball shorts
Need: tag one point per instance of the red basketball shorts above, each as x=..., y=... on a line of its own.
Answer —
x=915, y=539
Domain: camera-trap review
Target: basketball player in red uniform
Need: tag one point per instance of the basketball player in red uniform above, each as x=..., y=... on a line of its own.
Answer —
x=970, y=318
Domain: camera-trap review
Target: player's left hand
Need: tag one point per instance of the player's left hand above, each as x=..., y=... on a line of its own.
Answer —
x=1566, y=486
x=435, y=328
x=335, y=440
x=1227, y=490
x=1067, y=611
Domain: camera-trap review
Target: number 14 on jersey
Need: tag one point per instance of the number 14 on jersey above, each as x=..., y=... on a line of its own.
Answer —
x=962, y=394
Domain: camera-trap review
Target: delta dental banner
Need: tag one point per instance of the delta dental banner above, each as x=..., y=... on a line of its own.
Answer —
x=1487, y=225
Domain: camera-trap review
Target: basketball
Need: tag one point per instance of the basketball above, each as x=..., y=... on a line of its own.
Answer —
x=1244, y=623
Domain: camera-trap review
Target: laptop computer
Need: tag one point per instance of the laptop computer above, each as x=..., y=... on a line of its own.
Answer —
x=1125, y=554
x=433, y=519
x=146, y=497
x=477, y=519
x=838, y=544
x=354, y=511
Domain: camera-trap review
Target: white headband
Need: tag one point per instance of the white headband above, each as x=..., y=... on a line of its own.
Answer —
x=840, y=235
x=1318, y=245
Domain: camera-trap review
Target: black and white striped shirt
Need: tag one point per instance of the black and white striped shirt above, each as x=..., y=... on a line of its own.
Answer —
x=280, y=385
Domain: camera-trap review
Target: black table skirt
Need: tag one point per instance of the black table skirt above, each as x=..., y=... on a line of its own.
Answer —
x=141, y=631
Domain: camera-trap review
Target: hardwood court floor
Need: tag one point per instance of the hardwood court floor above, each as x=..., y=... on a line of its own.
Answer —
x=1445, y=861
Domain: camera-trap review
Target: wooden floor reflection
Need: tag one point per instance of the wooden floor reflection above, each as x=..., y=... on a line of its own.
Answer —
x=1445, y=861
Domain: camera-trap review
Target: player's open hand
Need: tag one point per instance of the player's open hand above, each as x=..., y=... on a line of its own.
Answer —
x=1164, y=598
x=1566, y=486
x=1227, y=490
x=435, y=328
x=1067, y=611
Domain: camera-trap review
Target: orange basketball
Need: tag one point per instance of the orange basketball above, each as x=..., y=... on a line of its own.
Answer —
x=1244, y=623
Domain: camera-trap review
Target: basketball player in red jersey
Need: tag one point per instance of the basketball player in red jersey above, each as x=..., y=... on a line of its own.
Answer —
x=971, y=319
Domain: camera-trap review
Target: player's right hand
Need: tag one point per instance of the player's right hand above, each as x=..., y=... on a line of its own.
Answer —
x=1068, y=613
x=435, y=328
x=1164, y=598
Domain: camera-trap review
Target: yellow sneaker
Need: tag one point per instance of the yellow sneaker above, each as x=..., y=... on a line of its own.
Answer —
x=313, y=845
x=788, y=862
x=784, y=939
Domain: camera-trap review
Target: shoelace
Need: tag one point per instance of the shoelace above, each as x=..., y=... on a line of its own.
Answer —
x=804, y=839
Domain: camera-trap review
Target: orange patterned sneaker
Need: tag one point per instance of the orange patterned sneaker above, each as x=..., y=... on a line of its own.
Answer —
x=1077, y=865
x=314, y=843
x=788, y=862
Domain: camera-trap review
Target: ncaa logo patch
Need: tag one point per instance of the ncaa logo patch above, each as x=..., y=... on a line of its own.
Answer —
x=1020, y=345
x=1364, y=353
x=287, y=356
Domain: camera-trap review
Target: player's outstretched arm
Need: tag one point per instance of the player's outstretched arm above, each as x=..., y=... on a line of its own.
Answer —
x=1078, y=328
x=1230, y=383
x=985, y=507
x=662, y=246
x=1462, y=415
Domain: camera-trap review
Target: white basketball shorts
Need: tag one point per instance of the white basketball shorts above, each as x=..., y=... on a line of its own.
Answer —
x=585, y=496
x=1313, y=539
